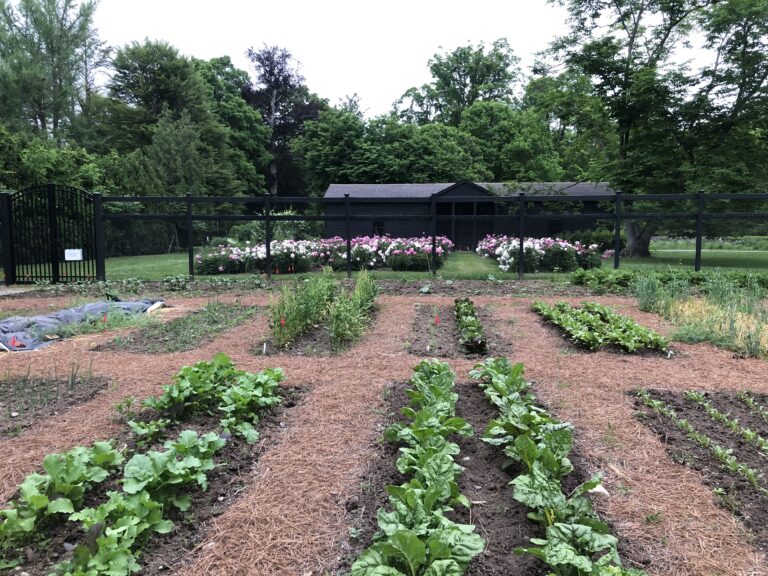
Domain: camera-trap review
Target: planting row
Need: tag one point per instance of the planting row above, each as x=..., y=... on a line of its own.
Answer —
x=540, y=254
x=595, y=326
x=415, y=536
x=319, y=301
x=724, y=436
x=576, y=541
x=95, y=508
x=289, y=256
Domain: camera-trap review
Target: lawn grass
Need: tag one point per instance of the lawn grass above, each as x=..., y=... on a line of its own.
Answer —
x=459, y=265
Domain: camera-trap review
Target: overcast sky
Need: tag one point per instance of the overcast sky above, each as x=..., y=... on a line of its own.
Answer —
x=375, y=49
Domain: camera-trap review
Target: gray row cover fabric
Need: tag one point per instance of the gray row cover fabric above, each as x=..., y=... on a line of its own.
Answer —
x=26, y=333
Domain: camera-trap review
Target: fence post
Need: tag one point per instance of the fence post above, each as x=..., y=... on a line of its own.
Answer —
x=617, y=231
x=190, y=238
x=98, y=231
x=348, y=232
x=268, y=235
x=699, y=229
x=433, y=230
x=5, y=222
x=521, y=236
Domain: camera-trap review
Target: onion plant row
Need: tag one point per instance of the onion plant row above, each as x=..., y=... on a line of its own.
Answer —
x=415, y=536
x=733, y=424
x=724, y=456
x=595, y=326
x=754, y=406
x=317, y=300
x=577, y=542
x=471, y=336
x=153, y=477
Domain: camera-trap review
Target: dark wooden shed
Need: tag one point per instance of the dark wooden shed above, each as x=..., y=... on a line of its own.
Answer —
x=409, y=200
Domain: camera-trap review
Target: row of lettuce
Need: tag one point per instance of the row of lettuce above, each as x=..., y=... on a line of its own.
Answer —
x=154, y=474
x=292, y=256
x=415, y=536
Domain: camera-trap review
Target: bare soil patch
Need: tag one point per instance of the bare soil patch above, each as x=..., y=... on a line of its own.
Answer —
x=435, y=333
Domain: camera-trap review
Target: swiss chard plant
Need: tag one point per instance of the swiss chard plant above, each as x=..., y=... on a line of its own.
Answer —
x=471, y=334
x=415, y=536
x=594, y=326
x=577, y=543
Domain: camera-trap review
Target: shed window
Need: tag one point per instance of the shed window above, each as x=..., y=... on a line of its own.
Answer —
x=378, y=228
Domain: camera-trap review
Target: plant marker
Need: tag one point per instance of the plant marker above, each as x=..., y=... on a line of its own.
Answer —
x=282, y=321
x=437, y=320
x=104, y=319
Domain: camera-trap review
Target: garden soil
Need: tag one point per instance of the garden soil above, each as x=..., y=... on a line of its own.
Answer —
x=292, y=518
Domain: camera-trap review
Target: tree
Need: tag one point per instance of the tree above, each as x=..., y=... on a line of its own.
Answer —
x=41, y=45
x=662, y=110
x=248, y=137
x=514, y=144
x=462, y=77
x=580, y=127
x=285, y=104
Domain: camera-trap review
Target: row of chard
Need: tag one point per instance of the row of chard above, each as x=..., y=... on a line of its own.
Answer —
x=415, y=537
x=577, y=542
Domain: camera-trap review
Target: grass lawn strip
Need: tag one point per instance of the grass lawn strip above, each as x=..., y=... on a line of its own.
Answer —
x=184, y=333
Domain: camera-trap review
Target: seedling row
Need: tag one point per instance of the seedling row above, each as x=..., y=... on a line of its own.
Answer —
x=723, y=436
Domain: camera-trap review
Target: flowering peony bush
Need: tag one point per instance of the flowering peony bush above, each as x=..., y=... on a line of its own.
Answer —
x=368, y=253
x=541, y=254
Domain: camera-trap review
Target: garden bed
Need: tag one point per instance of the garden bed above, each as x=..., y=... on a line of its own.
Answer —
x=730, y=489
x=181, y=334
x=434, y=333
x=234, y=463
x=25, y=400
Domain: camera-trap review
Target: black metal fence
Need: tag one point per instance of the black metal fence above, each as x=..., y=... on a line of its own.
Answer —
x=509, y=215
x=512, y=214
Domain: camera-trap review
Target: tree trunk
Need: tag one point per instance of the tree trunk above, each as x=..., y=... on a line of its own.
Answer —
x=638, y=240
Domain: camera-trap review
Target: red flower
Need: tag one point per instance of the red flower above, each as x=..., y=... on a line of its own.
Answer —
x=104, y=318
x=437, y=319
x=282, y=321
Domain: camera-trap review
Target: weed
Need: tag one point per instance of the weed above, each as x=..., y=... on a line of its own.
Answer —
x=654, y=518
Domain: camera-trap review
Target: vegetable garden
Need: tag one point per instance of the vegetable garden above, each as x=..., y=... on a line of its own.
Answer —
x=310, y=432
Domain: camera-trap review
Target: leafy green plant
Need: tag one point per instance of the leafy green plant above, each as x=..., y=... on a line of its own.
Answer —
x=415, y=536
x=59, y=491
x=471, y=336
x=184, y=461
x=595, y=326
x=577, y=543
x=299, y=309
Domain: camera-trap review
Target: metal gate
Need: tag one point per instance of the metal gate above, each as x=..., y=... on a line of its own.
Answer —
x=49, y=235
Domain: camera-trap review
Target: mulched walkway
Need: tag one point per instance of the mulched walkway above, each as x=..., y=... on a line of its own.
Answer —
x=292, y=517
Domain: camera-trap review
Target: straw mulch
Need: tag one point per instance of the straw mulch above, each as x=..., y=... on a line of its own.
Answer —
x=292, y=517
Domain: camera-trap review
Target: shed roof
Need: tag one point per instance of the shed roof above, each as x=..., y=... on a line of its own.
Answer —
x=498, y=188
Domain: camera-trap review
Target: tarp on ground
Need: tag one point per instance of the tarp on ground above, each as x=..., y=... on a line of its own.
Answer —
x=28, y=333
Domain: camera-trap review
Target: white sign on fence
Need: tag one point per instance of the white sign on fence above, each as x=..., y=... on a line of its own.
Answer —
x=73, y=254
